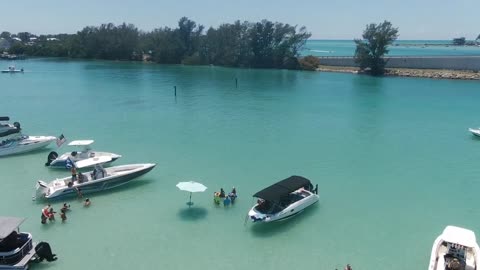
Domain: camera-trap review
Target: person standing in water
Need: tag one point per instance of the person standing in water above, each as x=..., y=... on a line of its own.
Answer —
x=233, y=195
x=87, y=202
x=226, y=201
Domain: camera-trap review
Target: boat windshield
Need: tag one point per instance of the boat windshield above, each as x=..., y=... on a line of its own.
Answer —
x=268, y=207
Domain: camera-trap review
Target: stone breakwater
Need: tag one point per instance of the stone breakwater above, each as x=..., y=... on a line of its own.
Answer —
x=434, y=73
x=409, y=72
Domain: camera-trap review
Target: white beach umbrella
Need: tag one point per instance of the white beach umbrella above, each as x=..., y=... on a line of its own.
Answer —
x=191, y=186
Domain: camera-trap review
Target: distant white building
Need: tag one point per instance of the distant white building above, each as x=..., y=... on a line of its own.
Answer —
x=33, y=39
x=17, y=39
x=52, y=39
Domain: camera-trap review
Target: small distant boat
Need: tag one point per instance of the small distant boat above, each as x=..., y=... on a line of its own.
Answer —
x=17, y=249
x=12, y=141
x=12, y=69
x=455, y=249
x=60, y=162
x=93, y=181
x=475, y=131
x=283, y=200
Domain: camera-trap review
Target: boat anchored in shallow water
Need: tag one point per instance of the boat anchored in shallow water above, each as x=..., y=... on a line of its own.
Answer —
x=12, y=141
x=455, y=249
x=12, y=69
x=93, y=181
x=17, y=249
x=61, y=162
x=283, y=200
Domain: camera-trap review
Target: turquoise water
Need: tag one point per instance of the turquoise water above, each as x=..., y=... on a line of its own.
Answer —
x=393, y=159
x=400, y=48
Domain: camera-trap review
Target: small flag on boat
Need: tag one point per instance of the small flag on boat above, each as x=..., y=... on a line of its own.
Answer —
x=61, y=140
x=69, y=163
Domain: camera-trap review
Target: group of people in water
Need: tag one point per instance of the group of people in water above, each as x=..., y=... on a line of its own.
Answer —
x=49, y=214
x=220, y=196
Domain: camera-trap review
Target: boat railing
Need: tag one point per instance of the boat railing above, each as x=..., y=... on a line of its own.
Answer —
x=16, y=255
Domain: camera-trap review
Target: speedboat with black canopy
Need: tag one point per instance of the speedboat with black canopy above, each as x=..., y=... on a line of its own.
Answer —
x=283, y=200
x=17, y=249
x=455, y=249
x=93, y=181
x=13, y=141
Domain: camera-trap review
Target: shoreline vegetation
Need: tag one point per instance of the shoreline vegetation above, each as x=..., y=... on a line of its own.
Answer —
x=263, y=44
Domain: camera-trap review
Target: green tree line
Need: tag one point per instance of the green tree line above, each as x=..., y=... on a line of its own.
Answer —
x=263, y=44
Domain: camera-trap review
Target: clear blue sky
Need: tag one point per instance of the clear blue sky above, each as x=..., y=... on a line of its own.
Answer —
x=334, y=19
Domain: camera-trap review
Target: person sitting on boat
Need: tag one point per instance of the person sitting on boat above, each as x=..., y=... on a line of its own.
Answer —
x=222, y=193
x=81, y=178
x=103, y=171
x=99, y=172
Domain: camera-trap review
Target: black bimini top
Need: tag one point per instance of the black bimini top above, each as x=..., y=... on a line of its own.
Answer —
x=278, y=190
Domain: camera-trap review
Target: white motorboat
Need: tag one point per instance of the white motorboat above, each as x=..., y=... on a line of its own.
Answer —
x=17, y=249
x=455, y=249
x=475, y=131
x=12, y=141
x=12, y=69
x=97, y=180
x=62, y=162
x=283, y=200
x=24, y=144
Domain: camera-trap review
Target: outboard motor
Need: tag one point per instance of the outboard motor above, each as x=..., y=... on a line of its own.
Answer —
x=17, y=125
x=44, y=252
x=51, y=157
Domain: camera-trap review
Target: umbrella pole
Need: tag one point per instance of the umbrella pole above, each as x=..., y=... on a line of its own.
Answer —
x=190, y=203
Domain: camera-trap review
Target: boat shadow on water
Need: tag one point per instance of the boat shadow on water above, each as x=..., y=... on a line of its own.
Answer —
x=271, y=229
x=192, y=213
x=474, y=138
x=33, y=152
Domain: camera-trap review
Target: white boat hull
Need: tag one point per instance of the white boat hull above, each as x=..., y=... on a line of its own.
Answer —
x=474, y=131
x=116, y=176
x=30, y=143
x=288, y=212
x=61, y=161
